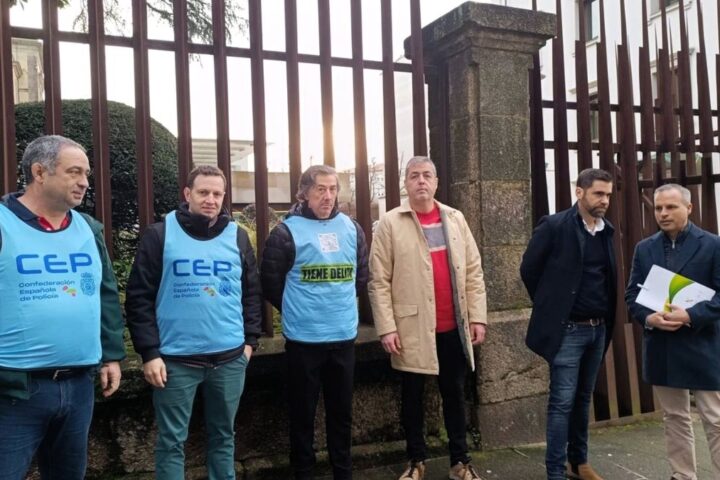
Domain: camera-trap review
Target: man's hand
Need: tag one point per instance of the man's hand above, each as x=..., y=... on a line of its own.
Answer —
x=391, y=343
x=248, y=352
x=658, y=320
x=110, y=375
x=155, y=372
x=677, y=314
x=477, y=333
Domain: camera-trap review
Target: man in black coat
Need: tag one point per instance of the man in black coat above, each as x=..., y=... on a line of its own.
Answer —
x=569, y=272
x=681, y=348
x=313, y=266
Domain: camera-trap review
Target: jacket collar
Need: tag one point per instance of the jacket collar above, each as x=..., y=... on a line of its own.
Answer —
x=574, y=215
x=301, y=209
x=405, y=207
x=11, y=201
x=198, y=226
x=689, y=247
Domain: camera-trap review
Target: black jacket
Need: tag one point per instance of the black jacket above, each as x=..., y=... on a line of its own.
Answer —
x=279, y=257
x=146, y=273
x=551, y=270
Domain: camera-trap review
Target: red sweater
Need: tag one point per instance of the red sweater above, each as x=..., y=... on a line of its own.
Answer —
x=435, y=236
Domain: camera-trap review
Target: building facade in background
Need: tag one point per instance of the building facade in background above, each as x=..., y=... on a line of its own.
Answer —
x=571, y=33
x=27, y=70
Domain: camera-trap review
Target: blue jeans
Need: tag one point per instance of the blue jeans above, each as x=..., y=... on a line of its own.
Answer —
x=572, y=379
x=221, y=388
x=54, y=422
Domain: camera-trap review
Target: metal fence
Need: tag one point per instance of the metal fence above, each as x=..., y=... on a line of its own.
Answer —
x=671, y=131
x=141, y=45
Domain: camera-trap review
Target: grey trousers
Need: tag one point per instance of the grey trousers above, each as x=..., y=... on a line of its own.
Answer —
x=679, y=435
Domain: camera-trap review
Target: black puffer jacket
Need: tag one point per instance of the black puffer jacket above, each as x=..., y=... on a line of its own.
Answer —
x=279, y=257
x=144, y=282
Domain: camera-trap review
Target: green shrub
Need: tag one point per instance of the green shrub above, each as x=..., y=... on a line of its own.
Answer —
x=77, y=125
x=246, y=220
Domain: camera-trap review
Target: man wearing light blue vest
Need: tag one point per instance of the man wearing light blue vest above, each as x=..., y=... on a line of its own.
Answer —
x=194, y=312
x=60, y=319
x=313, y=266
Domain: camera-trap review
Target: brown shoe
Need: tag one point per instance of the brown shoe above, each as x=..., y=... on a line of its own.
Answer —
x=582, y=471
x=414, y=471
x=463, y=471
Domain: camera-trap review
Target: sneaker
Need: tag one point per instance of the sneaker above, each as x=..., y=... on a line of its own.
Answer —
x=582, y=471
x=463, y=471
x=414, y=471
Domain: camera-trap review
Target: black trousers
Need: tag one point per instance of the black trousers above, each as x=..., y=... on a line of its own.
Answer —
x=451, y=383
x=312, y=367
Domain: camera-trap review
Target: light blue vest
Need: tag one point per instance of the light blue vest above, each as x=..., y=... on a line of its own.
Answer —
x=49, y=295
x=199, y=304
x=319, y=300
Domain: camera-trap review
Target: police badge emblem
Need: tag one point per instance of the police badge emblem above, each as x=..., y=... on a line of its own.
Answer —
x=225, y=288
x=87, y=283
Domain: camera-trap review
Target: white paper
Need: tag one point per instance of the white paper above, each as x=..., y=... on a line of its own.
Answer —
x=663, y=287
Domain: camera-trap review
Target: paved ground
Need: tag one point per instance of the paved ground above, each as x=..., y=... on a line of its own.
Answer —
x=629, y=452
x=632, y=452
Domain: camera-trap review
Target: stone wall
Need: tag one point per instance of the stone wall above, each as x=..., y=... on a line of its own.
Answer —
x=123, y=431
x=477, y=61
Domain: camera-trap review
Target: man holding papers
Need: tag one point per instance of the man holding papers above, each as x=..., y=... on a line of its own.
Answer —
x=681, y=346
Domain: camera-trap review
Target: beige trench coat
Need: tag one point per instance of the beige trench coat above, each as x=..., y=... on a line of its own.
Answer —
x=401, y=285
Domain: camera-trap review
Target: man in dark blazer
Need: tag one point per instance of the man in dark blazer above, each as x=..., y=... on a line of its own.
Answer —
x=681, y=348
x=569, y=272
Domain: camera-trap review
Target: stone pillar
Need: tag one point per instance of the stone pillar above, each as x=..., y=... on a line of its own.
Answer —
x=477, y=59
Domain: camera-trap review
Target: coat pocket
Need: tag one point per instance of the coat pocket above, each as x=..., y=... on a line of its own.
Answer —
x=406, y=318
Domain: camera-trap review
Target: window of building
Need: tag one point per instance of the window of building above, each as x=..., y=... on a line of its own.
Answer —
x=592, y=19
x=674, y=85
x=675, y=96
x=656, y=4
x=594, y=119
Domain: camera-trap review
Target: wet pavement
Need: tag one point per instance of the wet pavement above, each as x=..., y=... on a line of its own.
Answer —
x=630, y=452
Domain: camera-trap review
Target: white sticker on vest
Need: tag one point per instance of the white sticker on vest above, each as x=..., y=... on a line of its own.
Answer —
x=328, y=242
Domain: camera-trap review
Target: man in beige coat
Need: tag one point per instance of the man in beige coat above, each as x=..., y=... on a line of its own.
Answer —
x=428, y=299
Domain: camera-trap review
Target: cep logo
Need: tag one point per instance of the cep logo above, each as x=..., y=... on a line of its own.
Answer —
x=32, y=264
x=200, y=267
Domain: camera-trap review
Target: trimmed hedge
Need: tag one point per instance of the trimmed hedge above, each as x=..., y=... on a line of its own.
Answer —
x=77, y=125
